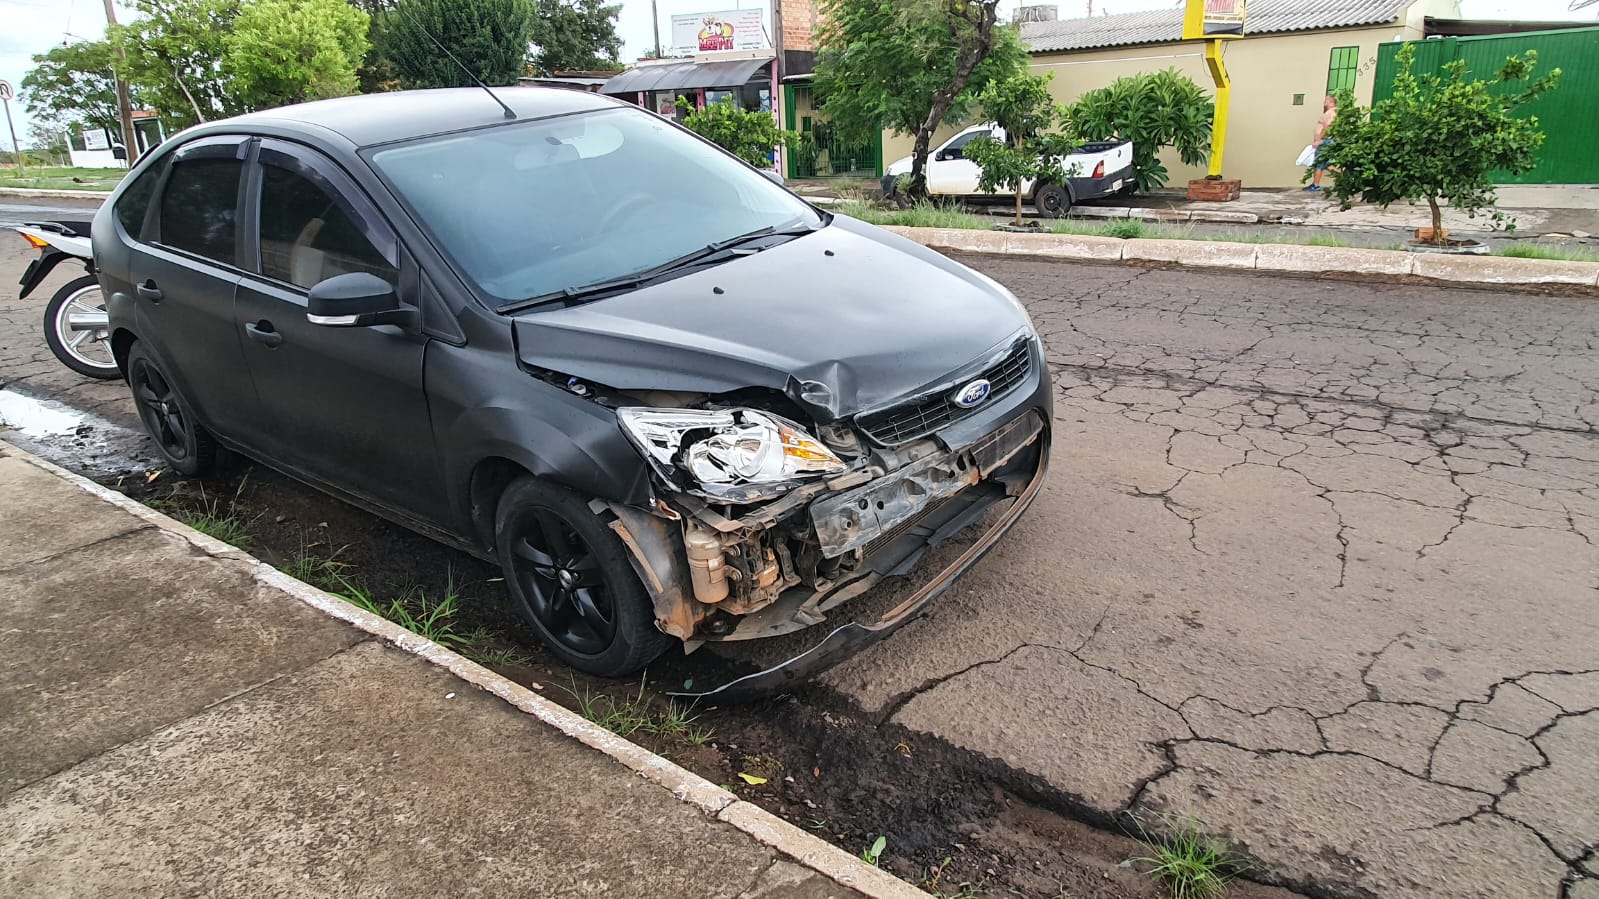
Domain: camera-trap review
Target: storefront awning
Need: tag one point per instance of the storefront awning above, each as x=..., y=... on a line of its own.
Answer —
x=685, y=76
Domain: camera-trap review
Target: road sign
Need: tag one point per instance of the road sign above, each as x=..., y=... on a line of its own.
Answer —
x=6, y=93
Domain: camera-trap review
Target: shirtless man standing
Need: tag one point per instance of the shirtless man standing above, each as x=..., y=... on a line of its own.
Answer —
x=1329, y=111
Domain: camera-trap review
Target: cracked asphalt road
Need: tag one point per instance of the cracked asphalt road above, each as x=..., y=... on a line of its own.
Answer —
x=1315, y=565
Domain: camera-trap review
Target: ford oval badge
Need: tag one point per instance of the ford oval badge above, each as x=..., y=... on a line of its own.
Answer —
x=972, y=393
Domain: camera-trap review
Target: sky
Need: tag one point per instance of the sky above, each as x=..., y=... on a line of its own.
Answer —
x=34, y=26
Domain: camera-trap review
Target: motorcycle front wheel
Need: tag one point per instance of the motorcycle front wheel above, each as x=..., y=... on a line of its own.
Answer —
x=85, y=350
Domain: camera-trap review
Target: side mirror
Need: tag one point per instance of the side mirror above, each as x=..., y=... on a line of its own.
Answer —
x=356, y=300
x=774, y=177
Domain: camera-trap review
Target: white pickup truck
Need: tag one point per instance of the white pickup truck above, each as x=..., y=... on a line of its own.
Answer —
x=1096, y=169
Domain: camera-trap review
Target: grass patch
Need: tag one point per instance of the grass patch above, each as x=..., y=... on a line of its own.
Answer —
x=496, y=656
x=324, y=572
x=1126, y=229
x=210, y=516
x=1186, y=861
x=1527, y=250
x=435, y=619
x=633, y=715
x=62, y=178
x=922, y=215
x=412, y=610
x=933, y=215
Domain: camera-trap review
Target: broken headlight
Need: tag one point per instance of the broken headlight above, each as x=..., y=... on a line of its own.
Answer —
x=738, y=455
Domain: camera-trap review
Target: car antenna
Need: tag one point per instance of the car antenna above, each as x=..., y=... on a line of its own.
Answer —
x=509, y=112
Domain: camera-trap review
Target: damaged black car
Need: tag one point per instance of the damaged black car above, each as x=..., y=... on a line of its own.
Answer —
x=674, y=401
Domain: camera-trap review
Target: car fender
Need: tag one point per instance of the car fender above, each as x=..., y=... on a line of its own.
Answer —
x=582, y=449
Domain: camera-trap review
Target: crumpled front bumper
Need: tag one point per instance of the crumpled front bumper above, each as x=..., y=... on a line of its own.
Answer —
x=848, y=639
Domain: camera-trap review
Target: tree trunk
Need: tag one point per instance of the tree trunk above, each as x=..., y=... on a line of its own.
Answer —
x=971, y=54
x=1437, y=222
x=1018, y=204
x=916, y=189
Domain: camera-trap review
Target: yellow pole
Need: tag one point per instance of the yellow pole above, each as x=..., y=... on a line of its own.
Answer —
x=1224, y=92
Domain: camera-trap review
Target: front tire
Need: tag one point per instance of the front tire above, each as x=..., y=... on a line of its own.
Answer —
x=1052, y=201
x=85, y=352
x=184, y=444
x=570, y=579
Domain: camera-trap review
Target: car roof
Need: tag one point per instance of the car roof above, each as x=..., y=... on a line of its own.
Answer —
x=367, y=119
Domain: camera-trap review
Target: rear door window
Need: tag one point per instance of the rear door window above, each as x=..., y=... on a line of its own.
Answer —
x=135, y=201
x=199, y=208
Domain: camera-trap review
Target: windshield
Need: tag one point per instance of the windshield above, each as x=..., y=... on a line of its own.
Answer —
x=534, y=208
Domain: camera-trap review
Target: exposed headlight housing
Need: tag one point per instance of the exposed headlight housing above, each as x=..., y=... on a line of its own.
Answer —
x=738, y=455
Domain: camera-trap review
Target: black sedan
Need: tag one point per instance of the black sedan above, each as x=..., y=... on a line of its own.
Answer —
x=673, y=400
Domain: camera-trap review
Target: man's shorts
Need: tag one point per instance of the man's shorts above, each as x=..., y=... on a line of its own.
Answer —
x=1321, y=154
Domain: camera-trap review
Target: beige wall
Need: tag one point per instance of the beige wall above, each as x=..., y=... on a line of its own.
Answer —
x=1266, y=130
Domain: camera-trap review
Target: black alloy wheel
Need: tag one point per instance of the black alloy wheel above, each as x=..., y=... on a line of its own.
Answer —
x=560, y=576
x=570, y=579
x=182, y=442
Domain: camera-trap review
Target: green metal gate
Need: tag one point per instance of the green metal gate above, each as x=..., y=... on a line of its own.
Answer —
x=821, y=152
x=1570, y=151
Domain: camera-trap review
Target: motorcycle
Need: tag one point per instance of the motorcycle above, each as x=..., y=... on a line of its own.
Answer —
x=75, y=323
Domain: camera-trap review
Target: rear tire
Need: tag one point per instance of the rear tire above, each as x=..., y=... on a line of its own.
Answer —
x=86, y=352
x=183, y=443
x=1052, y=201
x=570, y=579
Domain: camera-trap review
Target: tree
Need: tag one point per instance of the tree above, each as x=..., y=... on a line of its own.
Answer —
x=74, y=83
x=910, y=66
x=290, y=51
x=1023, y=108
x=1153, y=110
x=489, y=37
x=575, y=35
x=51, y=140
x=748, y=135
x=1437, y=137
x=174, y=53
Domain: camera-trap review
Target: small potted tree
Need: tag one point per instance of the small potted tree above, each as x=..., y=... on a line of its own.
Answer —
x=1437, y=139
x=1022, y=107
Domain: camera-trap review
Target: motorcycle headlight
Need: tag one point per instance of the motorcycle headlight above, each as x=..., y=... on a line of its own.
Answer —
x=739, y=455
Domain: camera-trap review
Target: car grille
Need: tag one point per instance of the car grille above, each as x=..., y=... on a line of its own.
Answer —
x=929, y=412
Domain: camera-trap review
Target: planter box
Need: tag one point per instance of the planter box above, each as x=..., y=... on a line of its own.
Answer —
x=1214, y=191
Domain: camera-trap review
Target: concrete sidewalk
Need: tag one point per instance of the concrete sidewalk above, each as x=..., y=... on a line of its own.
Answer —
x=177, y=718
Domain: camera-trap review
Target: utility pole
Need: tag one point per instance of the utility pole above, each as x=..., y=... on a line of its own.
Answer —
x=124, y=105
x=654, y=15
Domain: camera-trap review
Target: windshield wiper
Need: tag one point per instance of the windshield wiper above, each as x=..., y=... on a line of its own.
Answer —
x=700, y=256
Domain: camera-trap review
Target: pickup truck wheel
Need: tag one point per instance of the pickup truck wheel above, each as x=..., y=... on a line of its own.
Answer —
x=1052, y=201
x=570, y=580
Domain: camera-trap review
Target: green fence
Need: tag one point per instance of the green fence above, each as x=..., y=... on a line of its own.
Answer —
x=1569, y=114
x=822, y=152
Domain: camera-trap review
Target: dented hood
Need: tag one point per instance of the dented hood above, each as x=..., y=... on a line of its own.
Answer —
x=843, y=320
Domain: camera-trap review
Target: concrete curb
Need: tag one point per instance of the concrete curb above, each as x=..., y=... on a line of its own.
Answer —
x=766, y=828
x=1482, y=270
x=45, y=192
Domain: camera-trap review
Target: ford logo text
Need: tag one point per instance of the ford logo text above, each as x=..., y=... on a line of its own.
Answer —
x=972, y=393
